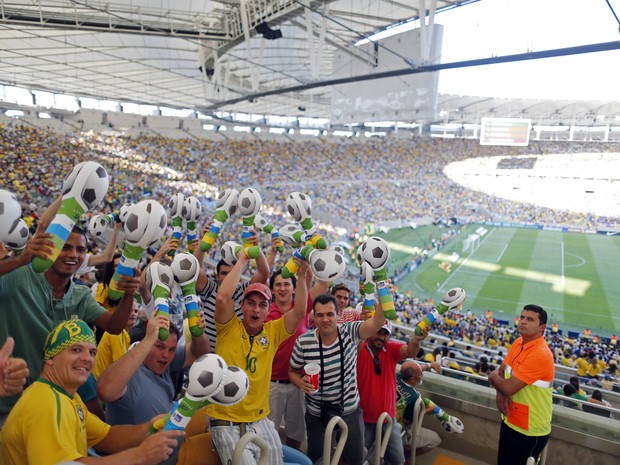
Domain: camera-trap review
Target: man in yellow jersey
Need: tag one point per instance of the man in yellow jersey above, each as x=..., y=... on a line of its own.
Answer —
x=251, y=344
x=524, y=383
x=50, y=423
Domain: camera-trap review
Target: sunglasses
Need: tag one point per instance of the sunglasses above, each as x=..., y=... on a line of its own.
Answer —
x=377, y=363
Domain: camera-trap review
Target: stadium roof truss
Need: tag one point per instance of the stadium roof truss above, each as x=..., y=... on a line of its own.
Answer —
x=216, y=55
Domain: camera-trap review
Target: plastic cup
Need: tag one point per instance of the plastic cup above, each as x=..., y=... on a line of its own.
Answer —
x=313, y=371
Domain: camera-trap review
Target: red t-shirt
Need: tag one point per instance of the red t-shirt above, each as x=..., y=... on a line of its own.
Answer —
x=378, y=392
x=283, y=355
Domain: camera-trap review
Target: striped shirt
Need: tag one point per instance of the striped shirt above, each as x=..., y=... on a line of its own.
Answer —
x=208, y=295
x=306, y=350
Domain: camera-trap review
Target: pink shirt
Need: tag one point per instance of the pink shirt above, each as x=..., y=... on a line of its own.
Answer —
x=283, y=355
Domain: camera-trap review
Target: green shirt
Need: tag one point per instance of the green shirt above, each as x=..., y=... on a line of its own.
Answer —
x=28, y=315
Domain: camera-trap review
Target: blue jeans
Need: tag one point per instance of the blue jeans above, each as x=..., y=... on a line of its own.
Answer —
x=394, y=453
x=293, y=456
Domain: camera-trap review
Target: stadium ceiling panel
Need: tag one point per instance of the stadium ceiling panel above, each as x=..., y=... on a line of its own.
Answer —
x=204, y=55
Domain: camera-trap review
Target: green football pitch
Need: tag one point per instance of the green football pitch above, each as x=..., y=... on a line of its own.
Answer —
x=575, y=277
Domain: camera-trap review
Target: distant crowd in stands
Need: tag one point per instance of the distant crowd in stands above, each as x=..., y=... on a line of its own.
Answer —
x=351, y=183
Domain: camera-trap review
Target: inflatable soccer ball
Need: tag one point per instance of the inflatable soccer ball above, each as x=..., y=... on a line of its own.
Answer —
x=299, y=206
x=191, y=209
x=123, y=212
x=337, y=248
x=97, y=225
x=228, y=252
x=87, y=183
x=454, y=297
x=292, y=235
x=159, y=274
x=68, y=182
x=176, y=205
x=206, y=376
x=227, y=201
x=17, y=236
x=453, y=425
x=10, y=212
x=234, y=387
x=185, y=267
x=260, y=222
x=249, y=202
x=145, y=223
x=327, y=265
x=375, y=251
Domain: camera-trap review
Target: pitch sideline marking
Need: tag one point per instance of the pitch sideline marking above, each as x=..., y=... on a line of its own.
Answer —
x=440, y=288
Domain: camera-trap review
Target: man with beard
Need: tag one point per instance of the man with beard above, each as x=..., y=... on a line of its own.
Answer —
x=524, y=384
x=376, y=375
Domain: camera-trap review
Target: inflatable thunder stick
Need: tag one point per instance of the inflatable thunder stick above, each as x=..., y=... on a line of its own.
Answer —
x=367, y=288
x=83, y=189
x=450, y=423
x=211, y=381
x=176, y=220
x=143, y=227
x=249, y=204
x=226, y=205
x=376, y=252
x=299, y=206
x=182, y=412
x=264, y=226
x=451, y=299
x=159, y=279
x=186, y=269
x=191, y=213
x=291, y=267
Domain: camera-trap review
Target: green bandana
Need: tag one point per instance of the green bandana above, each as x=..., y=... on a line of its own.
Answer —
x=66, y=334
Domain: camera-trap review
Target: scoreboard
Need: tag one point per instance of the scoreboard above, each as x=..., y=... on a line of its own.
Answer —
x=505, y=131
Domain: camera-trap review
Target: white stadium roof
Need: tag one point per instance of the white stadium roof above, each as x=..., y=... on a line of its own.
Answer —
x=149, y=52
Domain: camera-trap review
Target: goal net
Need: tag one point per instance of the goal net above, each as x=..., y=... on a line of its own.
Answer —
x=471, y=244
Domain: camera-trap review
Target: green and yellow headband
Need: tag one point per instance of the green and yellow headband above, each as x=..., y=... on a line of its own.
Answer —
x=65, y=335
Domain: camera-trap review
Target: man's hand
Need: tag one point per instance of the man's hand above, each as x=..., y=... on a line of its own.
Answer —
x=164, y=249
x=3, y=251
x=202, y=323
x=304, y=268
x=504, y=402
x=40, y=246
x=156, y=322
x=252, y=240
x=158, y=447
x=306, y=386
x=13, y=371
x=129, y=284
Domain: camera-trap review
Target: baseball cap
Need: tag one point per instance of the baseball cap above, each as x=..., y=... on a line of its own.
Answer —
x=387, y=326
x=260, y=288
